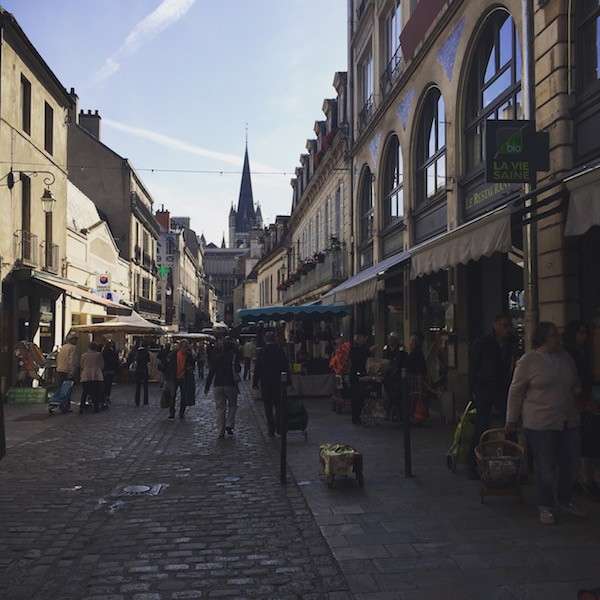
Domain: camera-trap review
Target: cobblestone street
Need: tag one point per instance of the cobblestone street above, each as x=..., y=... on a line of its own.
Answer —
x=220, y=526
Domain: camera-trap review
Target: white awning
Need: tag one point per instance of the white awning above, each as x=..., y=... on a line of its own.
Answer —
x=72, y=290
x=584, y=201
x=362, y=286
x=481, y=237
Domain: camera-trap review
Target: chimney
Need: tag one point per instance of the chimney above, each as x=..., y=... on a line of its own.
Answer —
x=90, y=122
x=164, y=218
x=74, y=110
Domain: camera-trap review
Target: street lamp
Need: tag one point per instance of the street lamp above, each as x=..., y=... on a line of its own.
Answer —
x=47, y=199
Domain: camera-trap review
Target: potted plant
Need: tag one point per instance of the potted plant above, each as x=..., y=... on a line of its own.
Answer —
x=334, y=243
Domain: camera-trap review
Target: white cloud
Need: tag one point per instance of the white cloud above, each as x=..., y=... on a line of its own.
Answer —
x=169, y=12
x=181, y=146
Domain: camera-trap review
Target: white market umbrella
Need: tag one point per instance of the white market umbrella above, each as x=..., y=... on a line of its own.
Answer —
x=133, y=324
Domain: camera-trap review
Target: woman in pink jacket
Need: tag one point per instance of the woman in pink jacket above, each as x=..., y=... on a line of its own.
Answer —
x=542, y=393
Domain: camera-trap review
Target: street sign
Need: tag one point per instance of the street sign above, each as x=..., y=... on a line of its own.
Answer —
x=514, y=151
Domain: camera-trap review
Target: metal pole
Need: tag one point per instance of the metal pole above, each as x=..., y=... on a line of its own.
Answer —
x=406, y=424
x=283, y=427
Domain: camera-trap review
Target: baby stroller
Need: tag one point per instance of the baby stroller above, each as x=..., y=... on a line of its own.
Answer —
x=296, y=417
x=61, y=398
x=462, y=438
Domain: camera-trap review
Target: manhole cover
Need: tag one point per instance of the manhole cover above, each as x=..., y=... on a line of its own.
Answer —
x=138, y=490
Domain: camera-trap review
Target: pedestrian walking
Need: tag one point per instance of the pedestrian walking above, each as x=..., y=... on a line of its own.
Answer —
x=358, y=368
x=142, y=360
x=271, y=361
x=91, y=377
x=180, y=365
x=248, y=354
x=161, y=356
x=392, y=380
x=201, y=360
x=67, y=360
x=490, y=371
x=542, y=393
x=111, y=367
x=225, y=372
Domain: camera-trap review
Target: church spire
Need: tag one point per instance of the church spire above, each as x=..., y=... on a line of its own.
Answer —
x=245, y=212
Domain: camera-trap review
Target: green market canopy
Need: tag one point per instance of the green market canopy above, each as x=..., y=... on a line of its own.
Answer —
x=289, y=313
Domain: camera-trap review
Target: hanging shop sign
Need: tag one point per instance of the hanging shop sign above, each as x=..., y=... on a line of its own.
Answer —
x=515, y=151
x=103, y=283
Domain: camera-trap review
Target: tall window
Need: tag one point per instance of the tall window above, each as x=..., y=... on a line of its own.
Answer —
x=494, y=90
x=431, y=148
x=25, y=203
x=48, y=128
x=393, y=181
x=366, y=206
x=589, y=38
x=393, y=52
x=393, y=28
x=339, y=212
x=365, y=96
x=25, y=104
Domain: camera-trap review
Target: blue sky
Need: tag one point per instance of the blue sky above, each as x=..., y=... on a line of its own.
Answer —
x=176, y=81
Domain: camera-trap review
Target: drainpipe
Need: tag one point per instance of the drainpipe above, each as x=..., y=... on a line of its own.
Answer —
x=530, y=273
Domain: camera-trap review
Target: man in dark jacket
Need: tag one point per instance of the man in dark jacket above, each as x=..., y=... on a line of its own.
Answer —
x=224, y=370
x=142, y=359
x=180, y=365
x=392, y=381
x=270, y=363
x=490, y=372
x=358, y=367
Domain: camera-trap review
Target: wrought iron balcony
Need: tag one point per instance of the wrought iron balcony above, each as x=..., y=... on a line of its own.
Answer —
x=25, y=247
x=49, y=255
x=392, y=72
x=331, y=270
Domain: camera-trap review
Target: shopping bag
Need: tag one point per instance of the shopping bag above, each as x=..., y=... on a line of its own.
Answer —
x=420, y=411
x=165, y=398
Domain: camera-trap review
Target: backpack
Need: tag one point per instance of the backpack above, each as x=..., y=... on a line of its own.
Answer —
x=340, y=361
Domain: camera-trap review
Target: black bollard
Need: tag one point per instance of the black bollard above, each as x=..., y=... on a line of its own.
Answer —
x=283, y=427
x=406, y=424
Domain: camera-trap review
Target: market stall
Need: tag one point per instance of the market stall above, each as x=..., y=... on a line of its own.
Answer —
x=310, y=373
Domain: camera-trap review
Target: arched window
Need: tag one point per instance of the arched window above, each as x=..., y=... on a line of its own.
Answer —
x=366, y=206
x=393, y=181
x=494, y=89
x=431, y=148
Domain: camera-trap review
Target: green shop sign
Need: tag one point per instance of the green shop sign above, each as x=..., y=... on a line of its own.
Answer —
x=514, y=151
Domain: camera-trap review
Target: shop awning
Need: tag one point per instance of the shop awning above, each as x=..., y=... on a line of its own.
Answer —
x=584, y=202
x=72, y=290
x=288, y=313
x=481, y=237
x=362, y=286
x=133, y=324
